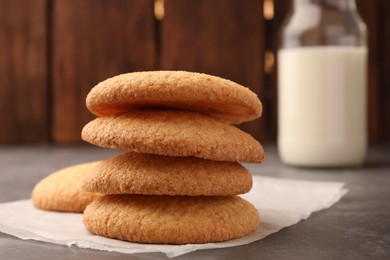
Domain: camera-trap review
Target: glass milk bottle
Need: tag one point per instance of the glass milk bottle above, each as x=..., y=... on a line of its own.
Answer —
x=322, y=85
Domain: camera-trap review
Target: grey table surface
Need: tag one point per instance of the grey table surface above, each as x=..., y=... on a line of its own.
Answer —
x=357, y=227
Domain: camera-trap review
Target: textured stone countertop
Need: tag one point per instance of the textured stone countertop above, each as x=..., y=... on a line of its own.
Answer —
x=357, y=227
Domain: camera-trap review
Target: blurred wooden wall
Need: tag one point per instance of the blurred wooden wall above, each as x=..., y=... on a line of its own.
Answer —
x=52, y=52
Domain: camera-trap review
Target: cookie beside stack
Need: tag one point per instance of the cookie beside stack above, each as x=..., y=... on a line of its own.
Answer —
x=61, y=191
x=179, y=179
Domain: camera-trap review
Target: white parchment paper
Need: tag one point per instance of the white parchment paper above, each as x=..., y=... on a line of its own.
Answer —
x=281, y=203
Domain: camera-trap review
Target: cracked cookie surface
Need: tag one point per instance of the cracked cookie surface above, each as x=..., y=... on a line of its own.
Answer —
x=135, y=173
x=220, y=98
x=171, y=219
x=173, y=133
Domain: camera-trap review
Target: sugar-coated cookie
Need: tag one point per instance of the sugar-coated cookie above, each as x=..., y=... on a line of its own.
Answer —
x=171, y=219
x=61, y=191
x=209, y=95
x=173, y=133
x=136, y=173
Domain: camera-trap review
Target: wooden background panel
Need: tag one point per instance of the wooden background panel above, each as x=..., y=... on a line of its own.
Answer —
x=273, y=26
x=219, y=37
x=23, y=84
x=91, y=41
x=384, y=34
x=53, y=51
x=369, y=11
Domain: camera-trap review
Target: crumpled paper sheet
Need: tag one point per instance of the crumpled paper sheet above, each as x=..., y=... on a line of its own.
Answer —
x=281, y=203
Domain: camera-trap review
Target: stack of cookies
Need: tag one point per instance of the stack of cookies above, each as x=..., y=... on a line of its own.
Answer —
x=179, y=180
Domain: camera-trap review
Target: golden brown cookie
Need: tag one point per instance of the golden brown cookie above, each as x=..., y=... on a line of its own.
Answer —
x=136, y=173
x=209, y=95
x=61, y=191
x=171, y=219
x=173, y=133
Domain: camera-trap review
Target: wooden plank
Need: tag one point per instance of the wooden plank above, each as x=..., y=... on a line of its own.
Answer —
x=219, y=37
x=385, y=68
x=23, y=100
x=273, y=29
x=369, y=11
x=93, y=40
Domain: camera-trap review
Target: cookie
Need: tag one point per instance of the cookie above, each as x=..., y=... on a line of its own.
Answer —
x=61, y=191
x=135, y=173
x=171, y=219
x=210, y=95
x=173, y=133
